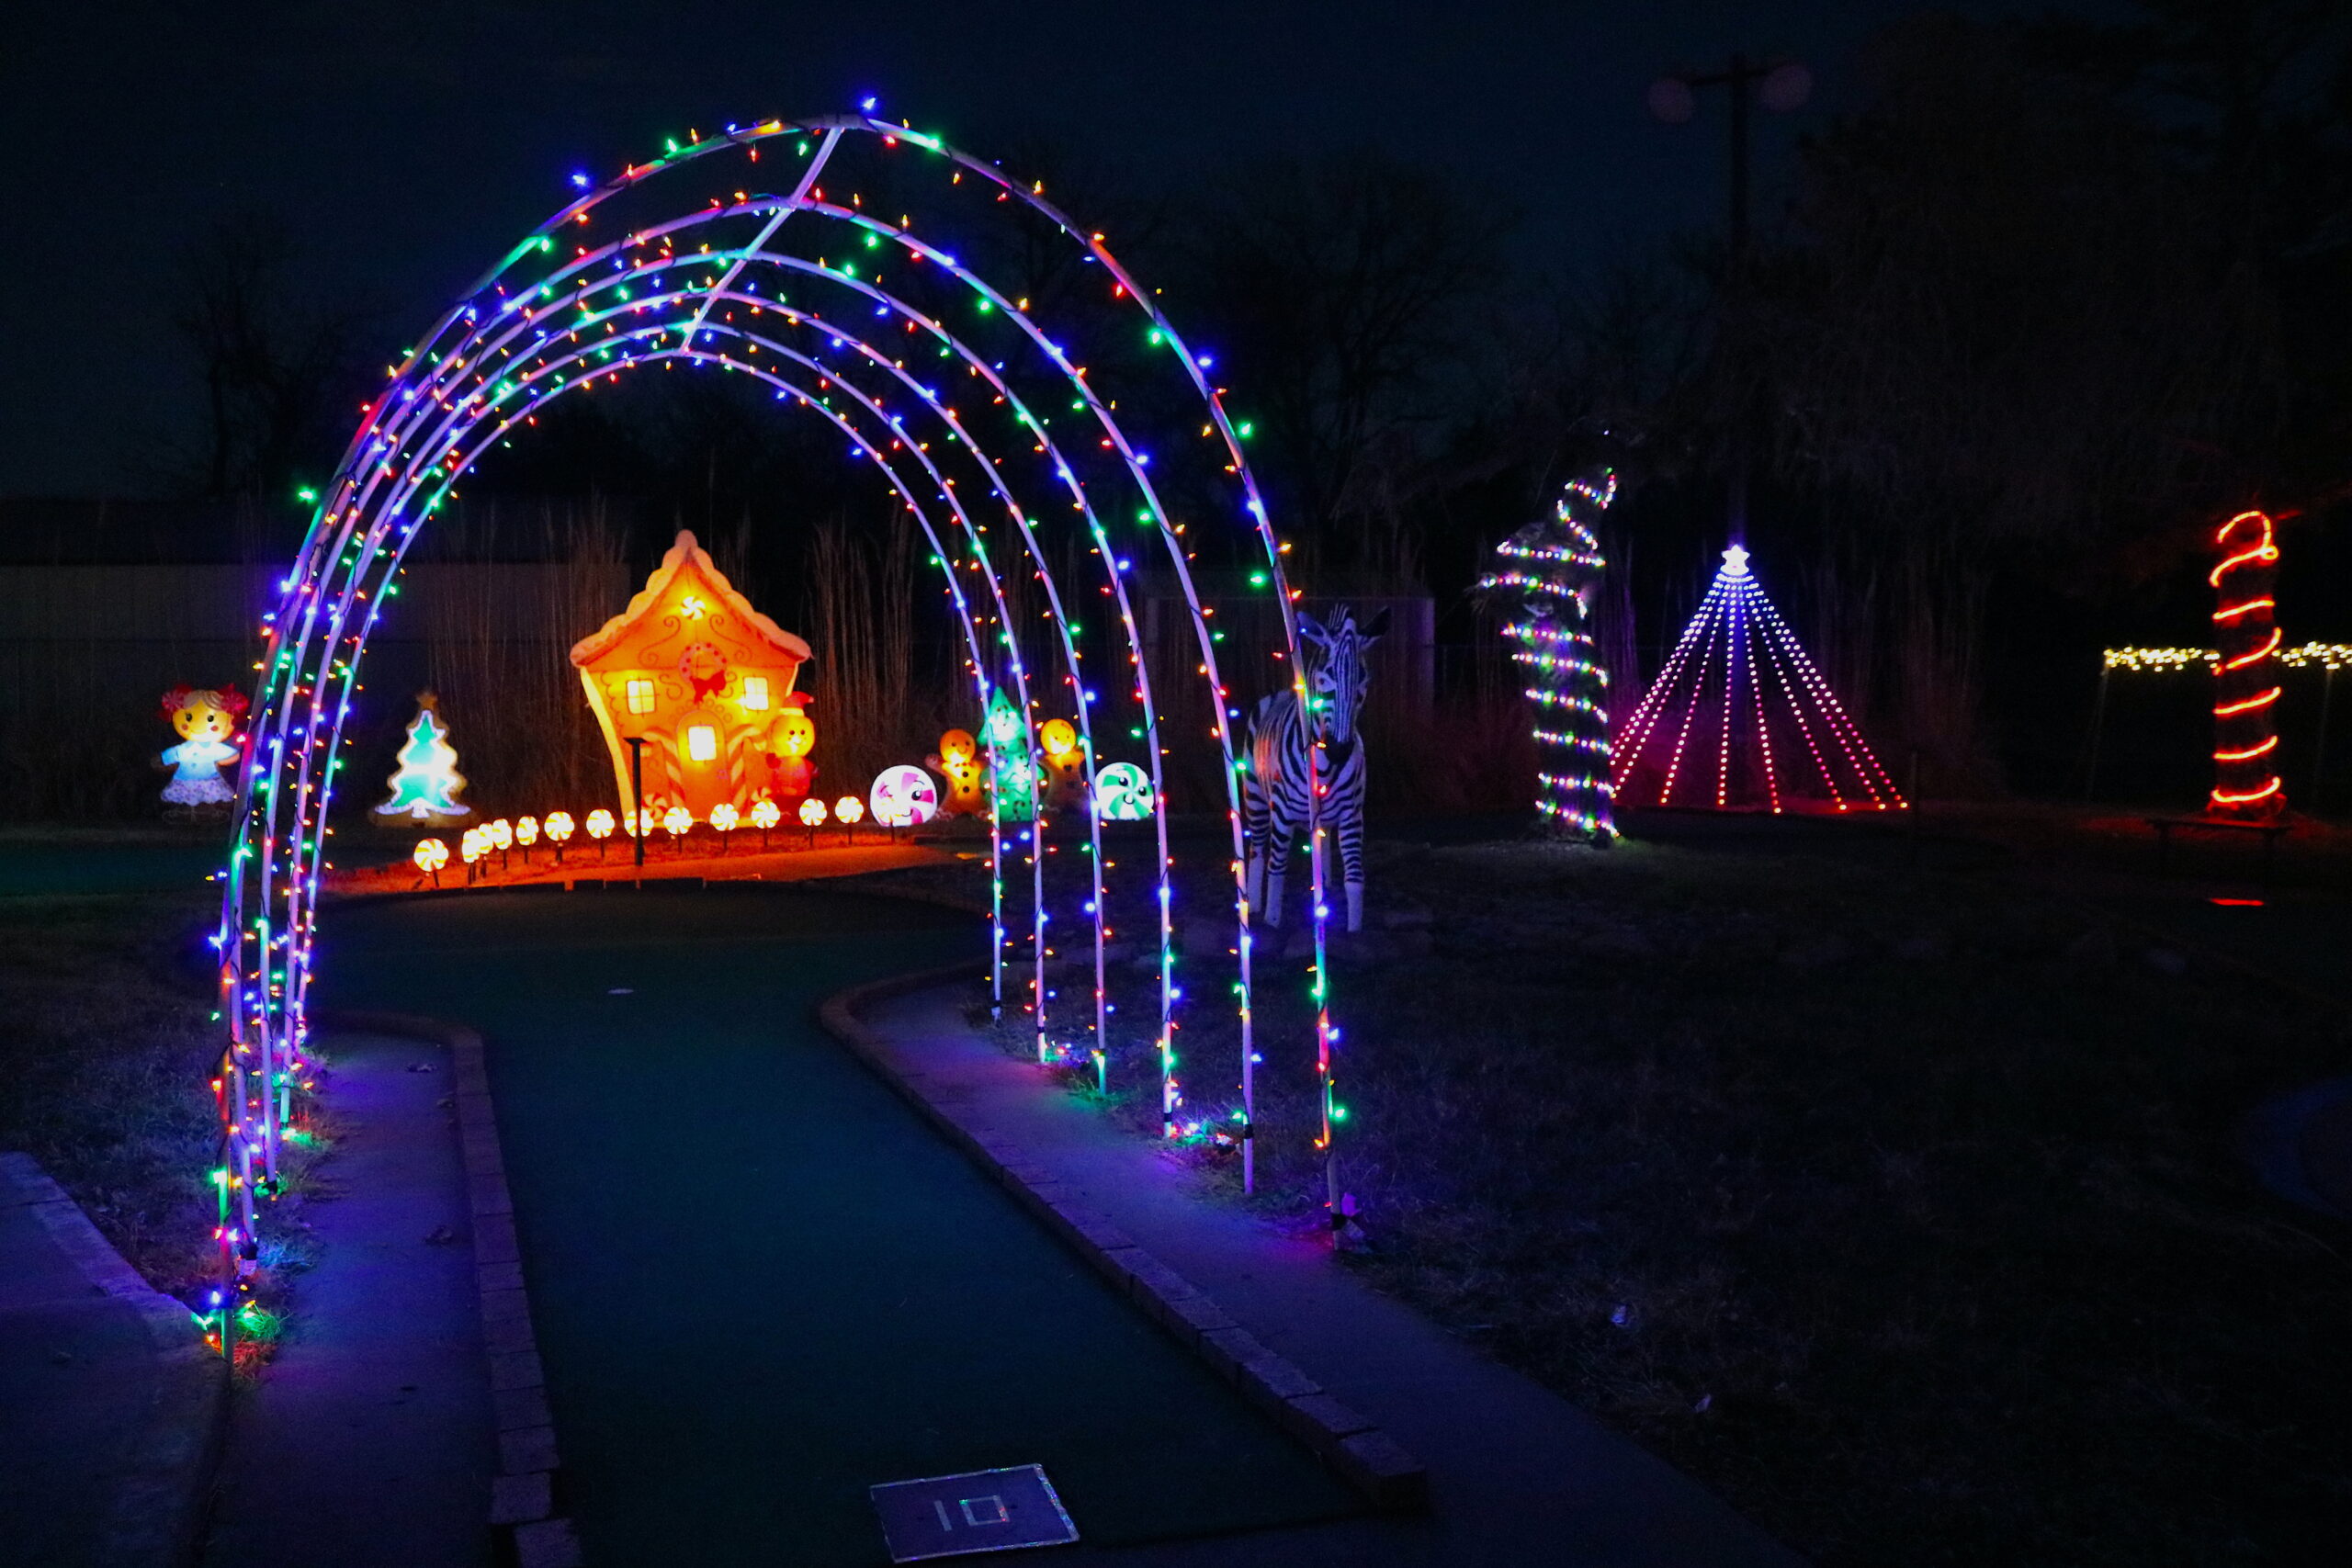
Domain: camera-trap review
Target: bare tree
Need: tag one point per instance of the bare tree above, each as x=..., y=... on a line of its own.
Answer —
x=278, y=376
x=1342, y=291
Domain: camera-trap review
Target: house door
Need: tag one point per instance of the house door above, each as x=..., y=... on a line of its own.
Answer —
x=705, y=775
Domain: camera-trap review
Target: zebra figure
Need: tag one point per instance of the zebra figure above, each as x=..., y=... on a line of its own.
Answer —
x=1274, y=789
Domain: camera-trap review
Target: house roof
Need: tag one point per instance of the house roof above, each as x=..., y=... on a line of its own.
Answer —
x=684, y=556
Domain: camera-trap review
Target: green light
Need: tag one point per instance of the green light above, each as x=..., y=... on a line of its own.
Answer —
x=306, y=494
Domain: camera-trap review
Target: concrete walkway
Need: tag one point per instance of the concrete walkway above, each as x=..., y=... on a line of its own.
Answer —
x=1516, y=1475
x=109, y=1398
x=369, y=1441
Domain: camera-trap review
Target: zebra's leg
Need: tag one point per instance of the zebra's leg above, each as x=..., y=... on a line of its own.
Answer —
x=1254, y=831
x=1278, y=846
x=1352, y=862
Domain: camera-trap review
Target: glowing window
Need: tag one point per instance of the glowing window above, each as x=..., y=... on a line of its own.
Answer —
x=640, y=696
x=755, y=692
x=702, y=742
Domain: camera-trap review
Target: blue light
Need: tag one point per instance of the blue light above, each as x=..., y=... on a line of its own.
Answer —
x=579, y=178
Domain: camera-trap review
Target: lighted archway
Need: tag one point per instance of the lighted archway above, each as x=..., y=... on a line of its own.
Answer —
x=728, y=254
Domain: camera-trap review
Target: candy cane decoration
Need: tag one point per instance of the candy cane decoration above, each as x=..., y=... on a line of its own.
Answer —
x=2245, y=675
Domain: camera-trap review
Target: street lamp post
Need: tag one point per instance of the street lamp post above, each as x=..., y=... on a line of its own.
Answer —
x=637, y=794
x=1782, y=86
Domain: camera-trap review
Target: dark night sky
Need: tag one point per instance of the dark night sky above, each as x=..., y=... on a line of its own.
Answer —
x=406, y=145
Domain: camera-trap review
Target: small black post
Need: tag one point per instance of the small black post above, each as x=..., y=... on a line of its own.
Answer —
x=637, y=794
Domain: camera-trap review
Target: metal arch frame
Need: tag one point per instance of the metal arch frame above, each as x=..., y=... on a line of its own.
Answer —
x=266, y=1035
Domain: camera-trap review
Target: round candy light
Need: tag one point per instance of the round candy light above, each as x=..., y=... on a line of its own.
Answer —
x=526, y=831
x=849, y=810
x=600, y=823
x=812, y=812
x=904, y=797
x=558, y=826
x=1122, y=793
x=502, y=834
x=723, y=817
x=430, y=855
x=676, y=821
x=765, y=814
x=474, y=844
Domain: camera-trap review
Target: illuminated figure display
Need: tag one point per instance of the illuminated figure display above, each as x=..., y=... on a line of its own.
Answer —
x=691, y=669
x=206, y=719
x=1275, y=791
x=1012, y=773
x=1545, y=579
x=958, y=762
x=1740, y=720
x=2246, y=672
x=1065, y=765
x=1123, y=792
x=903, y=796
x=791, y=775
x=426, y=785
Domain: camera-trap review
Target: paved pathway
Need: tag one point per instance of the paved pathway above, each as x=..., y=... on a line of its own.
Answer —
x=369, y=1442
x=760, y=1283
x=109, y=1398
x=1518, y=1476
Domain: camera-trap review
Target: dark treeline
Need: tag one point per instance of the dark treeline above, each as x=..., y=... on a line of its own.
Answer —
x=2007, y=340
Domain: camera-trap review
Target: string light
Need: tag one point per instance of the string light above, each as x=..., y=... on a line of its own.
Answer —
x=2168, y=661
x=2245, y=677
x=1738, y=642
x=1548, y=572
x=569, y=308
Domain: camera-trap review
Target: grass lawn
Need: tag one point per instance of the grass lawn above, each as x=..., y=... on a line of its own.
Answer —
x=1902, y=1206
x=110, y=1044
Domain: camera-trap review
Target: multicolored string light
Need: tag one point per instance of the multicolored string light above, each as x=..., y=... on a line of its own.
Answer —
x=1547, y=575
x=840, y=307
x=1737, y=675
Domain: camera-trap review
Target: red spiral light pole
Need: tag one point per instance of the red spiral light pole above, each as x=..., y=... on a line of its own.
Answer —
x=2245, y=685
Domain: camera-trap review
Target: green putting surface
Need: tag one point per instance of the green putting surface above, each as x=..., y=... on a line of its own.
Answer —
x=79, y=865
x=762, y=1284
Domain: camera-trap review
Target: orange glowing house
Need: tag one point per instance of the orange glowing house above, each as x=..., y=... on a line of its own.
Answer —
x=700, y=676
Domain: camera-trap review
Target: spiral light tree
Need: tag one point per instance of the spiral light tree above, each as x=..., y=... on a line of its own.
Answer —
x=2246, y=672
x=1545, y=579
x=865, y=274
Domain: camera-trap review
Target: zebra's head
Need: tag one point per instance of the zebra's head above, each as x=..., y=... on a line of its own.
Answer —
x=1339, y=671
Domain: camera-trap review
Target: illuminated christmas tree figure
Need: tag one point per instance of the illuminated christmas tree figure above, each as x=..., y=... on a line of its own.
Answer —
x=1739, y=719
x=1012, y=773
x=1545, y=577
x=426, y=788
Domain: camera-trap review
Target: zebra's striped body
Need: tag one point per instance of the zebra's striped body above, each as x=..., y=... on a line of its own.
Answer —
x=1273, y=790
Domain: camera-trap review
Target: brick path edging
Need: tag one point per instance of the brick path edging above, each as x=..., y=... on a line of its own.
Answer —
x=1351, y=1445
x=522, y=1497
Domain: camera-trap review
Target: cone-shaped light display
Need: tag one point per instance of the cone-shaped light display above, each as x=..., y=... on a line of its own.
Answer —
x=1739, y=719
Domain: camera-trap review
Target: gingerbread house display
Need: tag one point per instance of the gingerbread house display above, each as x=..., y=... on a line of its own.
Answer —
x=700, y=677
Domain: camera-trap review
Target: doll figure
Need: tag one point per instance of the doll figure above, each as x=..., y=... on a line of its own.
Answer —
x=206, y=719
x=958, y=760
